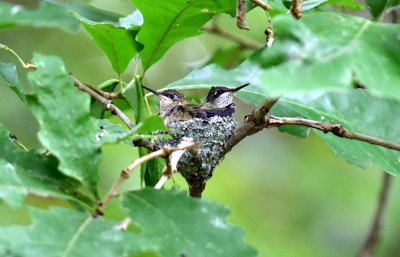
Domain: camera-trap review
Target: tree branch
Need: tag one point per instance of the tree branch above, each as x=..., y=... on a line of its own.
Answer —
x=334, y=128
x=108, y=105
x=164, y=151
x=243, y=42
x=241, y=15
x=263, y=5
x=368, y=247
x=260, y=119
x=295, y=8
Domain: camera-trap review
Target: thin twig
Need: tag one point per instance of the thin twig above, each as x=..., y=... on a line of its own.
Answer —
x=108, y=105
x=263, y=5
x=334, y=128
x=295, y=8
x=241, y=15
x=368, y=247
x=244, y=43
x=164, y=151
x=260, y=119
x=105, y=94
x=269, y=32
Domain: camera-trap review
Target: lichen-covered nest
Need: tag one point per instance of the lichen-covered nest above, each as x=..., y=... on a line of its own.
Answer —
x=211, y=134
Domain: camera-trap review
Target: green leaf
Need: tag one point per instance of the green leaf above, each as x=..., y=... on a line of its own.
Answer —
x=153, y=173
x=151, y=124
x=46, y=15
x=309, y=4
x=189, y=227
x=376, y=7
x=92, y=13
x=349, y=4
x=112, y=133
x=8, y=74
x=168, y=22
x=358, y=111
x=312, y=56
x=29, y=172
x=119, y=44
x=67, y=130
x=67, y=233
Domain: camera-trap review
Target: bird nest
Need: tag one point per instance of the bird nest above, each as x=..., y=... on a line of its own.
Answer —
x=211, y=134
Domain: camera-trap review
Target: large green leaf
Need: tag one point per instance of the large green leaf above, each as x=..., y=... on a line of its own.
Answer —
x=188, y=227
x=118, y=43
x=67, y=130
x=167, y=22
x=61, y=232
x=358, y=111
x=29, y=172
x=320, y=51
x=8, y=74
x=46, y=15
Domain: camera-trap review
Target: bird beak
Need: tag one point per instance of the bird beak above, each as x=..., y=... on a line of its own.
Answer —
x=238, y=88
x=151, y=90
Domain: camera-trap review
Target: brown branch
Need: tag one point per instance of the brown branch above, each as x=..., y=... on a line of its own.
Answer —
x=269, y=32
x=334, y=128
x=368, y=247
x=263, y=5
x=253, y=124
x=260, y=119
x=295, y=8
x=103, y=93
x=241, y=15
x=108, y=105
x=244, y=43
x=164, y=151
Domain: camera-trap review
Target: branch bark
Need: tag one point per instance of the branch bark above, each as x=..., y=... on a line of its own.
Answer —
x=263, y=5
x=241, y=15
x=164, y=151
x=243, y=43
x=334, y=128
x=295, y=8
x=108, y=105
x=260, y=119
x=368, y=247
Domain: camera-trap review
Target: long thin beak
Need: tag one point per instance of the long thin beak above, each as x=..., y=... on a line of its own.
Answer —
x=151, y=90
x=238, y=88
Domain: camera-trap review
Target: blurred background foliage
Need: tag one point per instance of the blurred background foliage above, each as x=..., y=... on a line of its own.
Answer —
x=293, y=196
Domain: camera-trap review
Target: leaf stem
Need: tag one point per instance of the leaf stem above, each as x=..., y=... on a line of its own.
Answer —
x=75, y=237
x=24, y=65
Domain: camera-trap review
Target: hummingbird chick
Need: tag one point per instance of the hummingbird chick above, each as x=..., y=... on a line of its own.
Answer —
x=175, y=107
x=220, y=97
